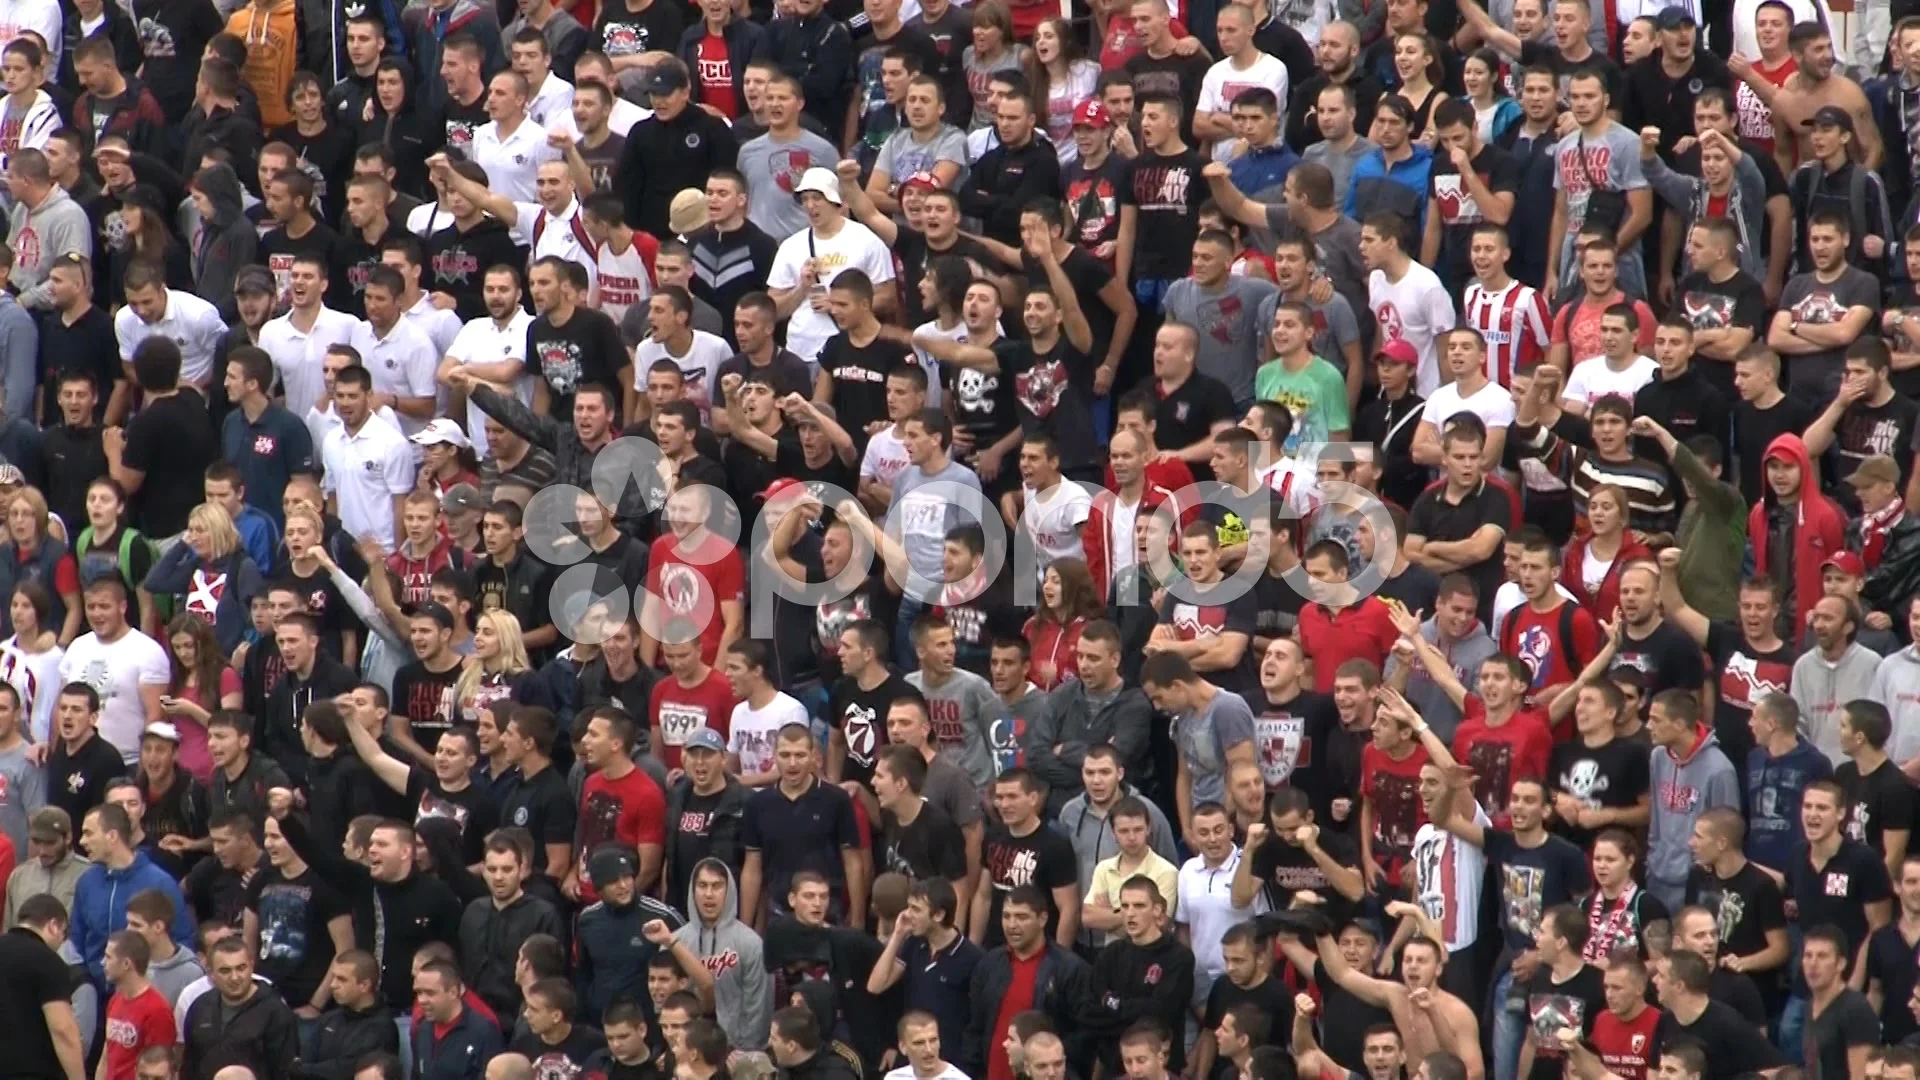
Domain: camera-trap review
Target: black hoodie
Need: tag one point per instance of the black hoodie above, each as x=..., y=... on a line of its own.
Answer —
x=410, y=134
x=179, y=35
x=457, y=262
x=827, y=966
x=344, y=1037
x=262, y=1034
x=1132, y=982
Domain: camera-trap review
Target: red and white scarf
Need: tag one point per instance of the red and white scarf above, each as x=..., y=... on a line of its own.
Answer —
x=1874, y=526
x=1606, y=926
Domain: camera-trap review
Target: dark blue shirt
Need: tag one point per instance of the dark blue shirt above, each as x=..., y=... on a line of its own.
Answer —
x=268, y=452
x=806, y=833
x=938, y=983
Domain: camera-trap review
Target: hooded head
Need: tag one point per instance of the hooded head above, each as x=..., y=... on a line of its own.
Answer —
x=1787, y=469
x=704, y=872
x=221, y=188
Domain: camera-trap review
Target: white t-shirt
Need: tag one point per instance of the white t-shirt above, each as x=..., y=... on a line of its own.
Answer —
x=1224, y=82
x=1492, y=403
x=299, y=357
x=624, y=280
x=700, y=366
x=117, y=670
x=1206, y=908
x=1416, y=309
x=1120, y=546
x=402, y=363
x=1447, y=873
x=36, y=678
x=1053, y=520
x=1507, y=600
x=514, y=161
x=437, y=324
x=905, y=1072
x=484, y=341
x=191, y=322
x=1592, y=380
x=556, y=237
x=363, y=471
x=1593, y=569
x=753, y=732
x=885, y=459
x=958, y=332
x=854, y=247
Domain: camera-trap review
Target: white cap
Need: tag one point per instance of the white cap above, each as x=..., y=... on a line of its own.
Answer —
x=442, y=430
x=824, y=181
x=160, y=729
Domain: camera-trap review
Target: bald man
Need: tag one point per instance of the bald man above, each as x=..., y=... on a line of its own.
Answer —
x=506, y=1067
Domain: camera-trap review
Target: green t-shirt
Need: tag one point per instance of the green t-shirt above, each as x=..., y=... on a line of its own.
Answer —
x=1316, y=395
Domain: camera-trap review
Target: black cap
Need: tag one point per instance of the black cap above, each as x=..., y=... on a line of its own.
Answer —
x=1674, y=16
x=610, y=864
x=1832, y=116
x=435, y=611
x=664, y=78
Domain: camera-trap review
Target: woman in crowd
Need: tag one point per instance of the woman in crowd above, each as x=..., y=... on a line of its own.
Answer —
x=200, y=682
x=30, y=659
x=32, y=555
x=1591, y=569
x=1063, y=78
x=210, y=576
x=1495, y=109
x=498, y=670
x=108, y=545
x=1067, y=601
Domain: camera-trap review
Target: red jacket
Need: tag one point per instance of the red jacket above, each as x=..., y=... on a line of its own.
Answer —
x=1099, y=546
x=1603, y=600
x=1819, y=533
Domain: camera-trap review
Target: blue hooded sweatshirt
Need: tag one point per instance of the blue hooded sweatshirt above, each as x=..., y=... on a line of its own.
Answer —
x=1774, y=787
x=100, y=908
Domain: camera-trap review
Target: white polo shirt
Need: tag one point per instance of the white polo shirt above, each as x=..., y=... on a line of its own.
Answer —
x=191, y=322
x=557, y=236
x=553, y=99
x=299, y=356
x=324, y=421
x=1206, y=909
x=403, y=363
x=364, y=471
x=438, y=325
x=512, y=161
x=484, y=341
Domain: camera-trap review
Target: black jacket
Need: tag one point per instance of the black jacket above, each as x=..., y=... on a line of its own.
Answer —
x=394, y=918
x=279, y=734
x=1005, y=180
x=746, y=42
x=490, y=944
x=611, y=952
x=723, y=831
x=263, y=1035
x=664, y=157
x=1058, y=988
x=232, y=129
x=819, y=52
x=1130, y=983
x=346, y=1036
x=825, y=1064
x=339, y=788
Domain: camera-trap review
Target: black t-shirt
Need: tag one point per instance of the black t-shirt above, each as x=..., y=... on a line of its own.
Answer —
x=354, y=259
x=1745, y=675
x=1745, y=906
x=1275, y=999
x=1732, y=1047
x=1093, y=200
x=1043, y=859
x=295, y=945
x=1283, y=868
x=461, y=121
x=325, y=603
x=691, y=837
x=1167, y=190
x=869, y=600
x=1848, y=1021
x=983, y=407
x=1719, y=305
x=425, y=698
x=1050, y=398
x=543, y=806
x=912, y=252
x=1865, y=430
x=1534, y=880
x=587, y=349
x=748, y=472
x=1193, y=621
x=457, y=262
x=1667, y=657
x=1344, y=1020
x=1187, y=414
x=1534, y=53
x=1755, y=429
x=1278, y=606
x=1088, y=275
x=1880, y=800
x=1839, y=892
x=859, y=374
x=1435, y=517
x=78, y=782
x=1459, y=212
x=278, y=249
x=1894, y=962
x=624, y=32
x=860, y=716
x=1612, y=777
x=471, y=808
x=1288, y=735
x=88, y=346
x=1174, y=76
x=172, y=441
x=566, y=1059
x=929, y=846
x=36, y=977
x=1552, y=1005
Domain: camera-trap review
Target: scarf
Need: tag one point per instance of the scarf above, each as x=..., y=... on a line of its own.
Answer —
x=1874, y=528
x=1909, y=105
x=1605, y=927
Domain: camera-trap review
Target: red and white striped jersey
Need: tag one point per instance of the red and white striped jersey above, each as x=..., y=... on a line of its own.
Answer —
x=1514, y=322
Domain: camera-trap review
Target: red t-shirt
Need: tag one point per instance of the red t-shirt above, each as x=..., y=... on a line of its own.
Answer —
x=1392, y=789
x=693, y=584
x=1364, y=630
x=716, y=75
x=1516, y=750
x=1717, y=206
x=133, y=1024
x=1534, y=637
x=629, y=811
x=1625, y=1046
x=679, y=711
x=1577, y=326
x=1018, y=999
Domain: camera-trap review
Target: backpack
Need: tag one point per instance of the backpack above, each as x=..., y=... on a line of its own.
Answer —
x=128, y=537
x=1510, y=637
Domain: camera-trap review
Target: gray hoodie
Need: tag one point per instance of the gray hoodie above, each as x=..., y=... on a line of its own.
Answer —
x=170, y=976
x=226, y=243
x=964, y=709
x=1125, y=722
x=1092, y=835
x=1822, y=688
x=41, y=235
x=742, y=993
x=1897, y=686
x=1683, y=789
x=86, y=999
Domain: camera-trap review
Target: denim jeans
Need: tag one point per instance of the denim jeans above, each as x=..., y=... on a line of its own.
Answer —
x=1509, y=1026
x=903, y=655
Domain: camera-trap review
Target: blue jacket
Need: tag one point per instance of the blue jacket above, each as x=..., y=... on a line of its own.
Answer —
x=258, y=534
x=1401, y=189
x=1261, y=173
x=232, y=613
x=462, y=1055
x=100, y=907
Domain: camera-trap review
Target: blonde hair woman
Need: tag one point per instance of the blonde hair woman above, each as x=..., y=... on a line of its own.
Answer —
x=209, y=575
x=34, y=555
x=498, y=669
x=302, y=542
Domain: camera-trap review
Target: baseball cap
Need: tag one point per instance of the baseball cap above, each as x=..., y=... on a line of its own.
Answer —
x=1832, y=116
x=1092, y=113
x=462, y=498
x=437, y=612
x=1847, y=563
x=440, y=431
x=48, y=824
x=1878, y=469
x=160, y=729
x=688, y=212
x=822, y=181
x=1673, y=17
x=610, y=864
x=255, y=279
x=781, y=487
x=11, y=476
x=923, y=180
x=705, y=739
x=664, y=78
x=1399, y=352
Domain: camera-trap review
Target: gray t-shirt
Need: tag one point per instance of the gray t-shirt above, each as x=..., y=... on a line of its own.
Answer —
x=1334, y=328
x=773, y=168
x=1612, y=161
x=1229, y=331
x=902, y=154
x=25, y=792
x=979, y=74
x=1336, y=250
x=951, y=789
x=1204, y=739
x=1816, y=376
x=1339, y=162
x=925, y=519
x=963, y=709
x=1432, y=703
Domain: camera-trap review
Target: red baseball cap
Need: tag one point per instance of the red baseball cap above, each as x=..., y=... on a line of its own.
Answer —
x=1399, y=352
x=1847, y=563
x=921, y=179
x=781, y=487
x=1092, y=113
